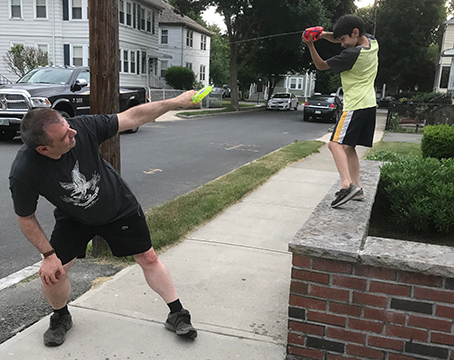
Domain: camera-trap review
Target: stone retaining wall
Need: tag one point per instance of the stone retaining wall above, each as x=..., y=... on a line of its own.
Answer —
x=359, y=297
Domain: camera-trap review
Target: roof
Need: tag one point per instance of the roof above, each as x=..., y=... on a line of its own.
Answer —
x=169, y=16
x=155, y=3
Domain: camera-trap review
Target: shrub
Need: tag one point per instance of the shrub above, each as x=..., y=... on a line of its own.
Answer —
x=384, y=155
x=432, y=97
x=420, y=193
x=438, y=141
x=179, y=77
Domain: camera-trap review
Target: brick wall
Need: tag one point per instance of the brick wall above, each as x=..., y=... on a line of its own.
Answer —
x=341, y=310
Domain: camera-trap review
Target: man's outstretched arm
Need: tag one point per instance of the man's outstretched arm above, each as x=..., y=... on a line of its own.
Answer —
x=142, y=114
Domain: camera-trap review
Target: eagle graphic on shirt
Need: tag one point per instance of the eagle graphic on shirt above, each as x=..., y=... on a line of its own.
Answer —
x=83, y=193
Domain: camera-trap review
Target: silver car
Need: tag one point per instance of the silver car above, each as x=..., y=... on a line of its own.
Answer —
x=283, y=101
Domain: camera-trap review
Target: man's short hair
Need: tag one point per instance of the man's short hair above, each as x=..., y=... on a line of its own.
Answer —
x=345, y=25
x=34, y=122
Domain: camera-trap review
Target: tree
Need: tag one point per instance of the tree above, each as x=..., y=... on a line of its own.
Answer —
x=104, y=80
x=21, y=59
x=180, y=77
x=252, y=23
x=405, y=31
x=219, y=57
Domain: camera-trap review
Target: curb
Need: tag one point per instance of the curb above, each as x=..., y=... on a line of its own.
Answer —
x=256, y=108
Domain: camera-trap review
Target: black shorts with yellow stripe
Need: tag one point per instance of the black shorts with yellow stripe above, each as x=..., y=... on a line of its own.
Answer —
x=355, y=127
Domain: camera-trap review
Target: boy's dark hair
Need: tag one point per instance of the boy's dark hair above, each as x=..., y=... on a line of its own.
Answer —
x=345, y=25
x=32, y=128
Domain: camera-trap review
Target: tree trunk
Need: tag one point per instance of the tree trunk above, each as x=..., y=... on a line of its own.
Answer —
x=104, y=80
x=234, y=76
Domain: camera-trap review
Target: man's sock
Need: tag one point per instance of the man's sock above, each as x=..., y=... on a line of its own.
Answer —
x=175, y=306
x=63, y=311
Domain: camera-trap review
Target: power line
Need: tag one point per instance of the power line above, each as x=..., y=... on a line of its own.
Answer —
x=266, y=37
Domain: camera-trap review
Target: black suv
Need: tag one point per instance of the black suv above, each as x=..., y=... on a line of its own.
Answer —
x=65, y=89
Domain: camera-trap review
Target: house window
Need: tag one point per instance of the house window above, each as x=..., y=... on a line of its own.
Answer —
x=203, y=42
x=293, y=83
x=189, y=38
x=128, y=14
x=444, y=81
x=144, y=62
x=202, y=73
x=142, y=19
x=300, y=84
x=133, y=62
x=125, y=61
x=16, y=9
x=148, y=21
x=41, y=12
x=78, y=56
x=77, y=9
x=164, y=67
x=121, y=11
x=134, y=16
x=189, y=65
x=164, y=36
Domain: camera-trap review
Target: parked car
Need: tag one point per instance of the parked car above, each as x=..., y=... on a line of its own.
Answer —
x=323, y=107
x=65, y=89
x=283, y=101
x=227, y=90
x=384, y=102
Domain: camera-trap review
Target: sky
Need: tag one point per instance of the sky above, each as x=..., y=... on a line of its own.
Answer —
x=211, y=17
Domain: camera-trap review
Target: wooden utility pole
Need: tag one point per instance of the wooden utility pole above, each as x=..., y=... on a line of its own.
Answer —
x=104, y=80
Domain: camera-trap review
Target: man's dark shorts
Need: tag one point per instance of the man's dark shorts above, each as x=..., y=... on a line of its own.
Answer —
x=126, y=236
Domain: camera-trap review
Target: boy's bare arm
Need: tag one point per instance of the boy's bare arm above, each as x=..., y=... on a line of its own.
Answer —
x=320, y=64
x=327, y=35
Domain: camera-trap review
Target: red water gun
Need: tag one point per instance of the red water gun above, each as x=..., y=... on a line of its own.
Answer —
x=314, y=31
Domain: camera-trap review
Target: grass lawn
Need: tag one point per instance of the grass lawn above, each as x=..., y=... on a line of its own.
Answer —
x=173, y=220
x=400, y=148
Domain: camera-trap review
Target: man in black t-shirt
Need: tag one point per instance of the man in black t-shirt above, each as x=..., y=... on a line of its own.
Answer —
x=61, y=162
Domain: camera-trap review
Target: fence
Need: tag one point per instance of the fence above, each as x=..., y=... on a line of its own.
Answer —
x=420, y=114
x=213, y=100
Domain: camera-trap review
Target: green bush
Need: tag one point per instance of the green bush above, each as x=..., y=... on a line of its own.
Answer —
x=420, y=193
x=384, y=155
x=432, y=97
x=438, y=141
x=180, y=77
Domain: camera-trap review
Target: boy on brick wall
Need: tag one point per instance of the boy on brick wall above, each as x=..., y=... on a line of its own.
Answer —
x=358, y=65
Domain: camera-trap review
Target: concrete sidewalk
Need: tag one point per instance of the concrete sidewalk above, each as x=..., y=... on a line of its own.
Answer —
x=233, y=274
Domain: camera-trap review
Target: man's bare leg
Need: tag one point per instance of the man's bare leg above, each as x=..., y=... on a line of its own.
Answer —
x=159, y=279
x=157, y=275
x=61, y=321
x=57, y=295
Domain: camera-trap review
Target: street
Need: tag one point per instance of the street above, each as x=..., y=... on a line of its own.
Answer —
x=164, y=160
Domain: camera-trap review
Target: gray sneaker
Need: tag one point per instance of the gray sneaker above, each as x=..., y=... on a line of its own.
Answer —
x=180, y=323
x=56, y=333
x=344, y=195
x=359, y=195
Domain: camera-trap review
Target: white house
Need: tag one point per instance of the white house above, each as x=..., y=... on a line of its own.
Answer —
x=301, y=85
x=444, y=76
x=60, y=27
x=187, y=42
